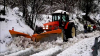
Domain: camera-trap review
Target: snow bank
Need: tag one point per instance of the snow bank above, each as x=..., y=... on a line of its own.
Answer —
x=11, y=20
x=48, y=52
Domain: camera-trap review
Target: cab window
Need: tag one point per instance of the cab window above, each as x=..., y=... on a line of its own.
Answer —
x=64, y=18
x=56, y=17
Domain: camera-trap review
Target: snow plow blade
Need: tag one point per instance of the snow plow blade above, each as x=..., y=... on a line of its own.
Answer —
x=41, y=36
x=15, y=33
x=37, y=37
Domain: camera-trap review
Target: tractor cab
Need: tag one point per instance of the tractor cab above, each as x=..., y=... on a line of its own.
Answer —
x=61, y=16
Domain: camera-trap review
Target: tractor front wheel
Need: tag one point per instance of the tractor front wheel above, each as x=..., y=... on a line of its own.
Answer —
x=63, y=35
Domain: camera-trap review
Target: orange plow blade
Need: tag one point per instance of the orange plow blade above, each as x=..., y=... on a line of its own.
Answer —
x=39, y=37
x=19, y=33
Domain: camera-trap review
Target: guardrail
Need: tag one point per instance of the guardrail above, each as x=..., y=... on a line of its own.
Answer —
x=95, y=47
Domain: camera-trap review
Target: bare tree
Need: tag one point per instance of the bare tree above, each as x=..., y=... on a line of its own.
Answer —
x=37, y=7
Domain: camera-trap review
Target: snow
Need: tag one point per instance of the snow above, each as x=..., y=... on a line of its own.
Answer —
x=42, y=19
x=80, y=26
x=3, y=47
x=95, y=16
x=12, y=20
x=79, y=49
x=98, y=17
x=1, y=7
x=20, y=52
x=29, y=9
x=48, y=52
x=83, y=47
x=16, y=9
x=61, y=11
x=77, y=46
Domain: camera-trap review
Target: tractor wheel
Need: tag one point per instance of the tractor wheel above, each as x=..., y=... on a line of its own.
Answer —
x=63, y=35
x=71, y=31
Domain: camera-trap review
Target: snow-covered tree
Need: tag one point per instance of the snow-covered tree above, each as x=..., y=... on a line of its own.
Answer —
x=87, y=6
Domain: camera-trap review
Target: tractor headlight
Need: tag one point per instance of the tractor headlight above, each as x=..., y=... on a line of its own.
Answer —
x=43, y=27
x=47, y=26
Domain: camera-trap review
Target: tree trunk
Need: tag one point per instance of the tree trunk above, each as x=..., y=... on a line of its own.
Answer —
x=24, y=8
x=87, y=12
x=4, y=7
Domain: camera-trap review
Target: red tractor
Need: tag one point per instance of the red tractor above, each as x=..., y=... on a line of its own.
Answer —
x=60, y=24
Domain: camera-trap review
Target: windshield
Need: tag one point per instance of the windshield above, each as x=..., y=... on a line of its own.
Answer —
x=56, y=17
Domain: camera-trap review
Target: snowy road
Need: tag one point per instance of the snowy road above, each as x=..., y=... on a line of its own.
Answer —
x=77, y=46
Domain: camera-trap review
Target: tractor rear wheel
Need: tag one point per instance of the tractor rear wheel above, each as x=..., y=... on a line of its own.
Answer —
x=70, y=32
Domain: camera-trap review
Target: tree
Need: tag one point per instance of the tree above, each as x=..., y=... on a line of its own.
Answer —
x=4, y=7
x=36, y=6
x=24, y=8
x=87, y=6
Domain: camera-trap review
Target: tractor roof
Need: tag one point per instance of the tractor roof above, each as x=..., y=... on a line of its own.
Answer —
x=60, y=11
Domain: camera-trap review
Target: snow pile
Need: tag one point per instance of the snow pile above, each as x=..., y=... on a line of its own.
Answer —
x=19, y=43
x=11, y=20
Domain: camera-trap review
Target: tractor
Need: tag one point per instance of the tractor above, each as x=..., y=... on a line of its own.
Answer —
x=60, y=25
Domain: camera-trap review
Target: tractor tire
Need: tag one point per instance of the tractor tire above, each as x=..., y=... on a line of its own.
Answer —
x=71, y=30
x=63, y=35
